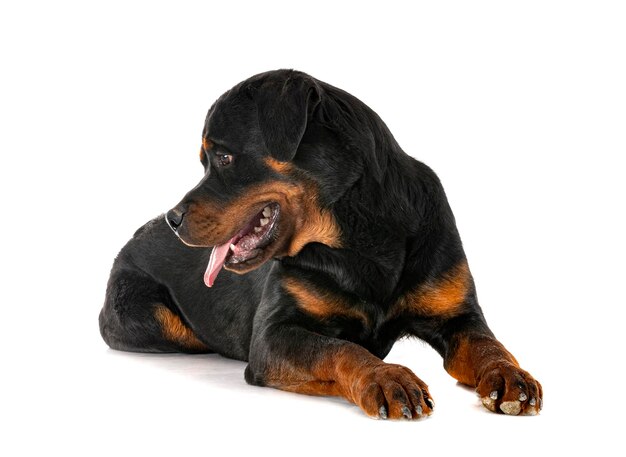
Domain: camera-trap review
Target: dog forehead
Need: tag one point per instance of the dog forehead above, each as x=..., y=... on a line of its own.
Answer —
x=232, y=121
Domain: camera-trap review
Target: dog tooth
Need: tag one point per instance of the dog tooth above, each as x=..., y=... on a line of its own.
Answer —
x=264, y=221
x=232, y=247
x=257, y=229
x=267, y=212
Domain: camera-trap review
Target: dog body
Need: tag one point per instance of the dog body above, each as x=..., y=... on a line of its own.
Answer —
x=325, y=244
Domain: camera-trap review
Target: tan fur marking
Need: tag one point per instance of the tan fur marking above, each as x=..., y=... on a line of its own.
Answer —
x=322, y=304
x=301, y=216
x=443, y=297
x=332, y=373
x=174, y=330
x=471, y=354
x=318, y=225
x=279, y=167
x=349, y=371
x=207, y=144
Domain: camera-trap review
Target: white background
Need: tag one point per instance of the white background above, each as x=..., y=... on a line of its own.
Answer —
x=519, y=107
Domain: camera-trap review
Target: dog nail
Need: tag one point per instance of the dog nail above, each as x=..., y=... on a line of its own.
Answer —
x=494, y=395
x=406, y=412
x=419, y=410
x=541, y=403
x=430, y=402
x=523, y=397
x=532, y=401
x=382, y=412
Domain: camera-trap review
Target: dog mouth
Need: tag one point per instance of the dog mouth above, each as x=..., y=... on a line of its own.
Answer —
x=247, y=246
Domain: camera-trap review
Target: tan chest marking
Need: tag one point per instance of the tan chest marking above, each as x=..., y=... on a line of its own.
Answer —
x=319, y=303
x=441, y=297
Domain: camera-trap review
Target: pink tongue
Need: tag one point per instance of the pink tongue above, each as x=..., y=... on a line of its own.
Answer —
x=218, y=255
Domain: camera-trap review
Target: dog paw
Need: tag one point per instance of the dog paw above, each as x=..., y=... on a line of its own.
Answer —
x=506, y=388
x=392, y=392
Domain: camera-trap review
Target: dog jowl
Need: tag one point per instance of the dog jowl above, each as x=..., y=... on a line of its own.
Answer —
x=310, y=245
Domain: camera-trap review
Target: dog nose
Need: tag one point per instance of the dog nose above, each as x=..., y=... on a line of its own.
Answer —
x=174, y=218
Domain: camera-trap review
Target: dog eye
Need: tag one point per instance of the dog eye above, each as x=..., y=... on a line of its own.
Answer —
x=225, y=159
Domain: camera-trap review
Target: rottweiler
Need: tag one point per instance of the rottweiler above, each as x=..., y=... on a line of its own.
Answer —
x=311, y=244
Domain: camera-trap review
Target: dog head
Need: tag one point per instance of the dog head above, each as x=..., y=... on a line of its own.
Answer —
x=256, y=201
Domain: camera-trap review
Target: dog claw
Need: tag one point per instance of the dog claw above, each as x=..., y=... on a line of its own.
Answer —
x=532, y=401
x=406, y=412
x=494, y=395
x=382, y=412
x=419, y=410
x=523, y=397
x=430, y=402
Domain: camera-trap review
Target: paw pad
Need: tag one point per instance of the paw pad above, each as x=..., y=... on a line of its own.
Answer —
x=512, y=408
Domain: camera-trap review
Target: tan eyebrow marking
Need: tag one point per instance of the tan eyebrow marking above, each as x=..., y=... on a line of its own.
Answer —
x=207, y=144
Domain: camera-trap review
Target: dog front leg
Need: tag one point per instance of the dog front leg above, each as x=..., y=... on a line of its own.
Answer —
x=294, y=359
x=476, y=358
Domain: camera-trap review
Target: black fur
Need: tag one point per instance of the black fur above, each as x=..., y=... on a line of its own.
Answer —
x=397, y=226
x=397, y=232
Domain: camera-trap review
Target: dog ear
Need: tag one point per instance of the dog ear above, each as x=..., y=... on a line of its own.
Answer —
x=284, y=105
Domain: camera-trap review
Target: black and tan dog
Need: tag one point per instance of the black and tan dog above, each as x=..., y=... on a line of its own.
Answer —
x=325, y=243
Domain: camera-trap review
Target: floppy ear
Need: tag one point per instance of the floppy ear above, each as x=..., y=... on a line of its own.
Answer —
x=283, y=108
